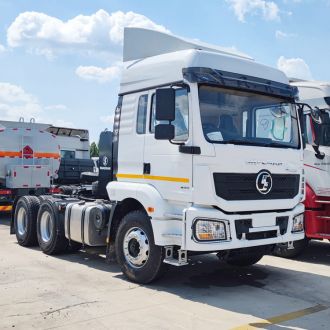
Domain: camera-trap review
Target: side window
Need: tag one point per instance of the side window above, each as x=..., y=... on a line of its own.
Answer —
x=181, y=122
x=142, y=114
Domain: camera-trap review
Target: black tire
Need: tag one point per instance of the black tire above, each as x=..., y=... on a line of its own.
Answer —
x=281, y=250
x=244, y=260
x=51, y=238
x=25, y=220
x=153, y=267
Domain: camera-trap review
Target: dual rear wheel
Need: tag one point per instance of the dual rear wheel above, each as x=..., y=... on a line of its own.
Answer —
x=37, y=222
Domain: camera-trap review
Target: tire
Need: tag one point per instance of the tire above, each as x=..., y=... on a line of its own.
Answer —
x=25, y=220
x=149, y=266
x=281, y=250
x=50, y=229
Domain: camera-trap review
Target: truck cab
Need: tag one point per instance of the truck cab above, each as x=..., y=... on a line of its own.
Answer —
x=209, y=144
x=316, y=162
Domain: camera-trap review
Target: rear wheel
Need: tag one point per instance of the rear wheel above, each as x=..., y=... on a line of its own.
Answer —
x=25, y=219
x=138, y=256
x=50, y=231
x=282, y=250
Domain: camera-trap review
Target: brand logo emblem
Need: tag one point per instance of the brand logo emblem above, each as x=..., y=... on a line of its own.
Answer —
x=105, y=161
x=264, y=182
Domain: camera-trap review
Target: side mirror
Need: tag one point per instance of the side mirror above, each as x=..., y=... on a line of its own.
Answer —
x=165, y=104
x=165, y=111
x=164, y=132
x=316, y=115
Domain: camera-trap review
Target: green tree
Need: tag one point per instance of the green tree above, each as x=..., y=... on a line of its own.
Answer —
x=94, y=150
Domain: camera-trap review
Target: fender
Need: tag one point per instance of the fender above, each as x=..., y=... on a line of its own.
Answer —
x=144, y=193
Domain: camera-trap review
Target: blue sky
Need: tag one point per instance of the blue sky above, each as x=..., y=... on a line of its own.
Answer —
x=60, y=59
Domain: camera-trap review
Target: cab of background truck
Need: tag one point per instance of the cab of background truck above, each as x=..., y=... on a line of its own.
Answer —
x=229, y=152
x=317, y=157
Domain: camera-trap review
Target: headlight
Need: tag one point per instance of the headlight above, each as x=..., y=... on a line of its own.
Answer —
x=210, y=230
x=298, y=223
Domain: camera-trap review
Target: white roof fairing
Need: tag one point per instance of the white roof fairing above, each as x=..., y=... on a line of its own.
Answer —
x=313, y=92
x=160, y=60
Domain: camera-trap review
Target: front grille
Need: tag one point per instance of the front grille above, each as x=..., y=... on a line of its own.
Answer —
x=242, y=186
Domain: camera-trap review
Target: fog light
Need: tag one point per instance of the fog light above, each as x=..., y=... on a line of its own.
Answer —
x=298, y=223
x=210, y=230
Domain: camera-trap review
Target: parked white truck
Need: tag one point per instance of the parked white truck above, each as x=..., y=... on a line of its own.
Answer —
x=207, y=157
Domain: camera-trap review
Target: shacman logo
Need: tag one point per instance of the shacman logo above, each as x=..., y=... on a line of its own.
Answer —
x=105, y=161
x=264, y=182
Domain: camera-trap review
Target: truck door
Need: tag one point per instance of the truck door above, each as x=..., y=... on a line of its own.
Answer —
x=132, y=136
x=165, y=167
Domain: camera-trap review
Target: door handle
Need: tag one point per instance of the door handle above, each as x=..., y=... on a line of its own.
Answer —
x=146, y=168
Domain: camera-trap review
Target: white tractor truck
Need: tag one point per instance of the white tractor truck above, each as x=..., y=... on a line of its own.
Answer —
x=207, y=156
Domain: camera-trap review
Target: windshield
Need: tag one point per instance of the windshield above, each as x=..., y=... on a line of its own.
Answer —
x=319, y=133
x=230, y=116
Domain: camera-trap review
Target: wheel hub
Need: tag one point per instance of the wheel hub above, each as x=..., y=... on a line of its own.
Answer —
x=21, y=221
x=136, y=247
x=46, y=228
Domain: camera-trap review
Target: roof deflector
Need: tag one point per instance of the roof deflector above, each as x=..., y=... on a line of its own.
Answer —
x=141, y=43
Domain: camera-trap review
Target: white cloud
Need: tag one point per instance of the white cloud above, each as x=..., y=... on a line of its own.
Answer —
x=294, y=68
x=98, y=74
x=269, y=10
x=15, y=102
x=2, y=49
x=99, y=32
x=284, y=35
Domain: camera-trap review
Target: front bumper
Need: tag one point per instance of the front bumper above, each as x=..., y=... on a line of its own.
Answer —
x=243, y=230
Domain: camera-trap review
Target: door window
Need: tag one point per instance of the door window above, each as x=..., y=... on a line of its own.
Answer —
x=142, y=114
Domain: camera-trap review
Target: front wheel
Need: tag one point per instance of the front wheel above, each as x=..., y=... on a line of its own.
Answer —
x=282, y=250
x=137, y=255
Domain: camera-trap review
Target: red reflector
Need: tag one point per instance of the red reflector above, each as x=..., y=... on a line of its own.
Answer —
x=14, y=174
x=55, y=190
x=5, y=192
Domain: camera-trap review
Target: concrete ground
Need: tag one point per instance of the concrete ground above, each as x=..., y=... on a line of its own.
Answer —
x=81, y=291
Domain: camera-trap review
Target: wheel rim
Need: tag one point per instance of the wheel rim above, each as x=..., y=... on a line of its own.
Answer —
x=21, y=221
x=136, y=247
x=46, y=226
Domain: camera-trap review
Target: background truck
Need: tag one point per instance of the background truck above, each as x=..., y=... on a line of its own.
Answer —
x=206, y=156
x=29, y=161
x=35, y=156
x=316, y=164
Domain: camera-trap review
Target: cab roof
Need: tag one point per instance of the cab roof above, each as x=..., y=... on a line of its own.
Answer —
x=153, y=58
